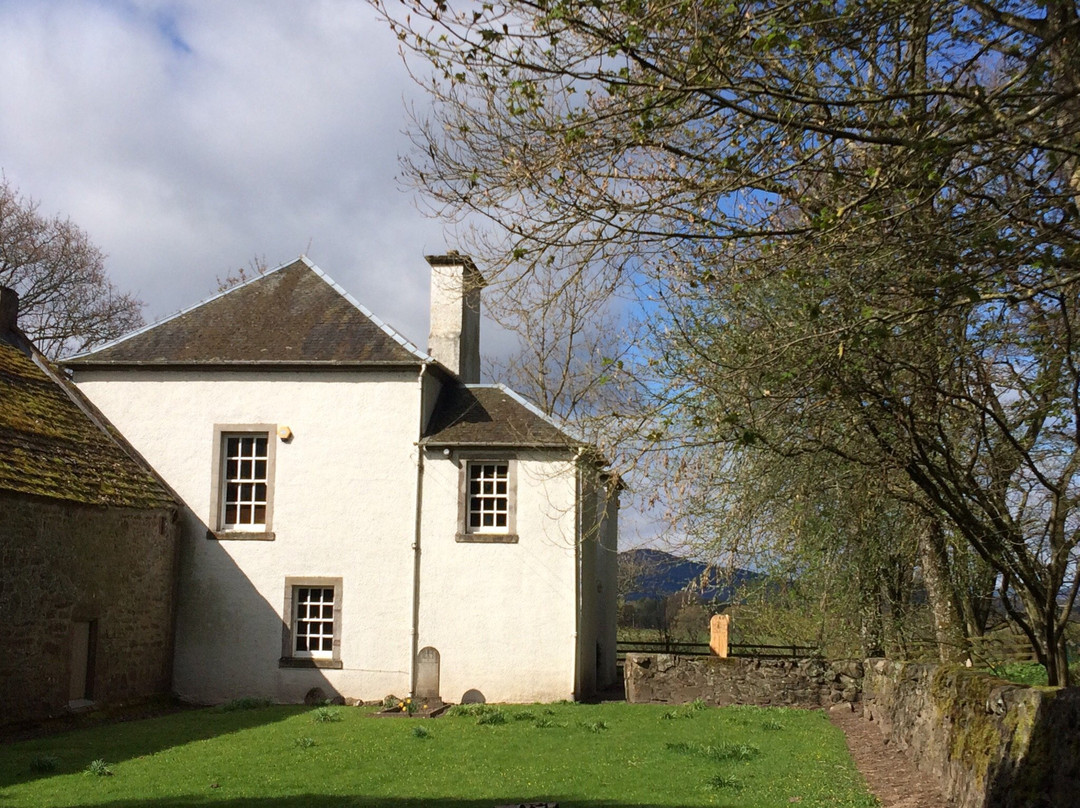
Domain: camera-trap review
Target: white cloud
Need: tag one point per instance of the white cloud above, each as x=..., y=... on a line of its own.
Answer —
x=187, y=138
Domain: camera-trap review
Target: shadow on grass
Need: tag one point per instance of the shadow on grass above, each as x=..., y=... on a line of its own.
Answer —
x=355, y=801
x=72, y=751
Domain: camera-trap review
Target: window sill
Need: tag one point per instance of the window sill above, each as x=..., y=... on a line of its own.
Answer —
x=487, y=538
x=310, y=662
x=240, y=535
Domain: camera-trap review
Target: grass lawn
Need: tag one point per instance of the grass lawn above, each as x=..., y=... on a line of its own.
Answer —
x=576, y=755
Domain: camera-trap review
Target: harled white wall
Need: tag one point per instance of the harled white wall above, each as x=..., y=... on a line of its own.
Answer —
x=502, y=616
x=344, y=499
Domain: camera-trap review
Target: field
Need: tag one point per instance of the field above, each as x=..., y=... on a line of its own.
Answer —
x=576, y=755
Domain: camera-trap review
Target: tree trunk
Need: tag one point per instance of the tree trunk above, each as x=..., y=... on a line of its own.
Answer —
x=948, y=622
x=1039, y=622
x=871, y=629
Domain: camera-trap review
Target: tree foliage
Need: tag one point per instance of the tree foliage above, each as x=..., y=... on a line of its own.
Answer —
x=853, y=226
x=66, y=301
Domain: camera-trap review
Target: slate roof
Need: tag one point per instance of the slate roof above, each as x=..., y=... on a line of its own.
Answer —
x=294, y=314
x=53, y=443
x=492, y=415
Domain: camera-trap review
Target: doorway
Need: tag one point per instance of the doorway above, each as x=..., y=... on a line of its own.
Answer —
x=83, y=652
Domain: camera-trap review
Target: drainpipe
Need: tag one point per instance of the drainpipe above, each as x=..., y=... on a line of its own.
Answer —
x=579, y=533
x=414, y=639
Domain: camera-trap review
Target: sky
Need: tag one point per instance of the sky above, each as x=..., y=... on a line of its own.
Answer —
x=190, y=138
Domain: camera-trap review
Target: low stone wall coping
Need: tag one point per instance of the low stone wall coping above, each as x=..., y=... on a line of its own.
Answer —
x=765, y=681
x=989, y=742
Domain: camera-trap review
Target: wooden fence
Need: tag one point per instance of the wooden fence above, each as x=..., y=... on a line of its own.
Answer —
x=624, y=647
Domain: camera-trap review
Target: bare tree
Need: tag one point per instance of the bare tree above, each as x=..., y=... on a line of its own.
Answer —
x=67, y=303
x=256, y=268
x=575, y=345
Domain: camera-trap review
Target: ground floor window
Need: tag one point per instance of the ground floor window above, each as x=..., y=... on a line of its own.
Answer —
x=313, y=621
x=312, y=636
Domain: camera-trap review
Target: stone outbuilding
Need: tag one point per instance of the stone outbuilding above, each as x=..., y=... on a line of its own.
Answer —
x=87, y=547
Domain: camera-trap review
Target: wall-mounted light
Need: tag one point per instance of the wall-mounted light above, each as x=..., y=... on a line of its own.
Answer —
x=284, y=433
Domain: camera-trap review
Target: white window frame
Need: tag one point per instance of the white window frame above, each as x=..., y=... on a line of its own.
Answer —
x=312, y=614
x=488, y=507
x=505, y=533
x=321, y=658
x=220, y=481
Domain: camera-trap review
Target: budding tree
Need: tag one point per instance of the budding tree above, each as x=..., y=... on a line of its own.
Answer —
x=853, y=228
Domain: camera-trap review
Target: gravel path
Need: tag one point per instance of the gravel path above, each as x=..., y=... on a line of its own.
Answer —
x=892, y=777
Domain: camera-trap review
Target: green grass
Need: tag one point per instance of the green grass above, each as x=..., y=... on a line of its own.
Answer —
x=1022, y=673
x=577, y=755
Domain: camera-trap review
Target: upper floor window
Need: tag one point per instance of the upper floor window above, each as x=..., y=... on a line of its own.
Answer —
x=488, y=510
x=246, y=481
x=242, y=494
x=489, y=497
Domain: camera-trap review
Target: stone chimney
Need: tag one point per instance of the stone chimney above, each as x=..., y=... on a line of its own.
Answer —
x=9, y=310
x=455, y=314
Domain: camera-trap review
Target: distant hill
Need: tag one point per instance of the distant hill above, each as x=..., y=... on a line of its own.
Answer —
x=656, y=574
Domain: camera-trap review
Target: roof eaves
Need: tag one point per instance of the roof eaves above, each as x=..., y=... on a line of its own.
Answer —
x=387, y=329
x=435, y=443
x=253, y=364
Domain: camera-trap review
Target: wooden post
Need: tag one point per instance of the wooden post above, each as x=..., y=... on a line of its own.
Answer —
x=718, y=634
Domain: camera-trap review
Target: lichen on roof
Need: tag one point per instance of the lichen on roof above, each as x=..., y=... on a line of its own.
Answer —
x=50, y=447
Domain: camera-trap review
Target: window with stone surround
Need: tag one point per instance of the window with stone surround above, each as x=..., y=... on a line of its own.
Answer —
x=243, y=481
x=489, y=500
x=312, y=637
x=488, y=507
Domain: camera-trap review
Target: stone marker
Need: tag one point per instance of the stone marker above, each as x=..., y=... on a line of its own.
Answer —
x=718, y=634
x=427, y=675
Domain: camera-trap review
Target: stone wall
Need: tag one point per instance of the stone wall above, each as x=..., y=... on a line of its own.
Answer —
x=807, y=682
x=992, y=744
x=64, y=564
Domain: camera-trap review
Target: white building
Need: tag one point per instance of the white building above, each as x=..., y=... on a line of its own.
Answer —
x=351, y=500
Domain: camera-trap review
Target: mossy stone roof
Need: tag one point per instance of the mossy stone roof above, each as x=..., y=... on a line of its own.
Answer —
x=51, y=447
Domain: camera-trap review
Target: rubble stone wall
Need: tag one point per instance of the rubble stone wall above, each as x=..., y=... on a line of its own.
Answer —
x=63, y=564
x=796, y=682
x=990, y=743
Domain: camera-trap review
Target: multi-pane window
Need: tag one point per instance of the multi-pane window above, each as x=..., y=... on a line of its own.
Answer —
x=245, y=482
x=489, y=498
x=313, y=621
